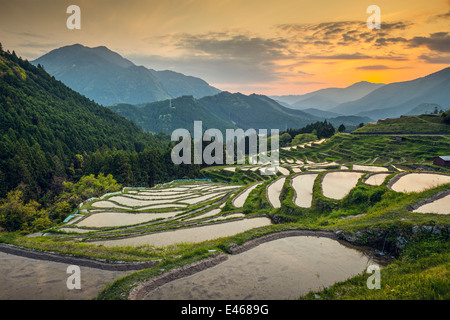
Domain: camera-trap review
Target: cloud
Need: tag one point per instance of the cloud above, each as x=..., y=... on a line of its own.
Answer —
x=226, y=56
x=352, y=56
x=439, y=16
x=236, y=46
x=397, y=25
x=213, y=69
x=439, y=41
x=435, y=59
x=378, y=67
x=306, y=74
x=244, y=58
x=388, y=41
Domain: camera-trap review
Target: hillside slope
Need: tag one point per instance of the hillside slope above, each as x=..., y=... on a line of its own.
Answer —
x=425, y=123
x=328, y=98
x=169, y=115
x=395, y=99
x=255, y=111
x=44, y=124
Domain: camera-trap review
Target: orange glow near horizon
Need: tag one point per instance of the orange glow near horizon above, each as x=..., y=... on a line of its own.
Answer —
x=254, y=46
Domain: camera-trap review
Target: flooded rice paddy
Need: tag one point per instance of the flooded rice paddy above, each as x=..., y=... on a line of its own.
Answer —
x=280, y=269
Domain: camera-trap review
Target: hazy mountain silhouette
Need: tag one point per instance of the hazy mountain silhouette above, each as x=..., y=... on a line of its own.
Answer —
x=108, y=78
x=328, y=98
x=395, y=99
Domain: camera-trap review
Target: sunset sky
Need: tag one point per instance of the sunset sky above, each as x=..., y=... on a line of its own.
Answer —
x=251, y=46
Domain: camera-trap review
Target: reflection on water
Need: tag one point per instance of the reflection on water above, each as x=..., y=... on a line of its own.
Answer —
x=280, y=269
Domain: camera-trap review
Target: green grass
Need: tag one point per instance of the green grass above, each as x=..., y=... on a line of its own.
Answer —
x=348, y=149
x=413, y=124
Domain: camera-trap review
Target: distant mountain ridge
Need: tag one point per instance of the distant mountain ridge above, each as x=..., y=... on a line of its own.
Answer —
x=223, y=111
x=168, y=115
x=425, y=108
x=328, y=98
x=106, y=77
x=395, y=99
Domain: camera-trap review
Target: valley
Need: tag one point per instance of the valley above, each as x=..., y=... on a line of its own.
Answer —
x=84, y=185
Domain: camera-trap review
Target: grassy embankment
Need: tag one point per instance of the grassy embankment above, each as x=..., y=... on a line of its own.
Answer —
x=412, y=124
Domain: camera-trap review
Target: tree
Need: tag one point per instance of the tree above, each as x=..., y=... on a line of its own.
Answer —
x=361, y=125
x=14, y=214
x=446, y=117
x=341, y=128
x=435, y=110
x=303, y=138
x=285, y=138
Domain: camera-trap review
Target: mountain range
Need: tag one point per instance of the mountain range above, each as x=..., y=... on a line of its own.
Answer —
x=328, y=98
x=375, y=100
x=223, y=111
x=107, y=78
x=395, y=99
x=144, y=95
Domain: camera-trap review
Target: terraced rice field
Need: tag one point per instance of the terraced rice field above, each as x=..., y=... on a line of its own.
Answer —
x=283, y=170
x=190, y=235
x=303, y=188
x=274, y=191
x=336, y=185
x=376, y=179
x=178, y=212
x=186, y=212
x=418, y=182
x=308, y=263
x=369, y=168
x=239, y=200
x=439, y=206
x=117, y=219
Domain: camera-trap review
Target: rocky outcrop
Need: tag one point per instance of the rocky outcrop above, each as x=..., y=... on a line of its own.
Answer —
x=390, y=240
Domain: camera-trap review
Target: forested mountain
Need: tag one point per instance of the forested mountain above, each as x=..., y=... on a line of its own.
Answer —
x=222, y=111
x=255, y=111
x=169, y=115
x=425, y=108
x=50, y=133
x=108, y=78
x=178, y=84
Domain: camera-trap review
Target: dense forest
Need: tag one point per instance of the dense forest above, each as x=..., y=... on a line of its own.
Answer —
x=310, y=132
x=51, y=135
x=322, y=129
